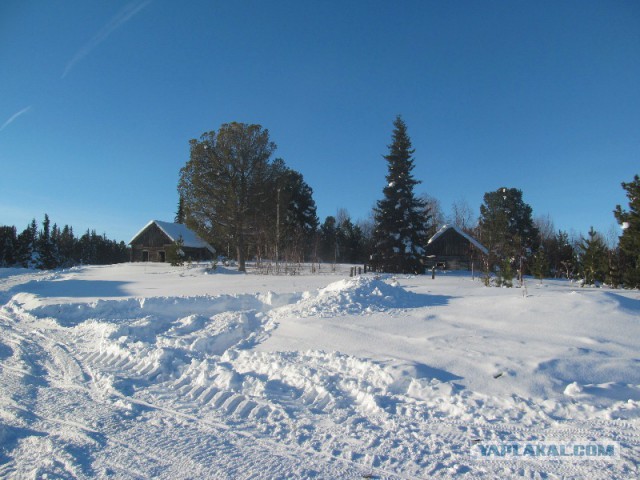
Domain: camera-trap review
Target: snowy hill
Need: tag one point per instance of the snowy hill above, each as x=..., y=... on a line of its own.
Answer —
x=149, y=371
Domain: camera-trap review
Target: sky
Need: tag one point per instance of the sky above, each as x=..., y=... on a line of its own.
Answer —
x=99, y=100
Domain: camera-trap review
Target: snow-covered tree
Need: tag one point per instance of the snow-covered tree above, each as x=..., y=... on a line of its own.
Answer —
x=401, y=218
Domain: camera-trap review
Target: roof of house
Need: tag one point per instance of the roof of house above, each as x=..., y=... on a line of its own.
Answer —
x=175, y=231
x=472, y=240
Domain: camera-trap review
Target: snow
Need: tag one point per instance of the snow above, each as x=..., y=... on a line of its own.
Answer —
x=152, y=371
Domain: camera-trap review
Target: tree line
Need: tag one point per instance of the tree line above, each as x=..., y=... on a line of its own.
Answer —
x=519, y=244
x=251, y=207
x=49, y=247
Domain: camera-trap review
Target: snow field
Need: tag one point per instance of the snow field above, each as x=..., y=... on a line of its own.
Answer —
x=384, y=377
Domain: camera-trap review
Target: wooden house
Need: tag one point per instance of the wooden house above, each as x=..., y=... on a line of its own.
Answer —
x=150, y=244
x=454, y=249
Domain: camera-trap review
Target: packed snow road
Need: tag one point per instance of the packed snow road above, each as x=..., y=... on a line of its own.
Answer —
x=148, y=371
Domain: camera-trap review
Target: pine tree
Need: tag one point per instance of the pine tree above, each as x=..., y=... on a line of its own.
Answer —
x=506, y=225
x=629, y=220
x=593, y=258
x=401, y=219
x=223, y=183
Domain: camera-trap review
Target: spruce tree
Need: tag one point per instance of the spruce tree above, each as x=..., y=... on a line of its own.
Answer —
x=46, y=251
x=401, y=219
x=179, y=218
x=629, y=220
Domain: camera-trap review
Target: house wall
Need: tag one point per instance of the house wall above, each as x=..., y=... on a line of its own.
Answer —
x=154, y=254
x=153, y=241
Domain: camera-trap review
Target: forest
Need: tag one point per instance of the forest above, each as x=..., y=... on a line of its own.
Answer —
x=49, y=247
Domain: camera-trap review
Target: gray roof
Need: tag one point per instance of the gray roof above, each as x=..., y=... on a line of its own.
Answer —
x=175, y=231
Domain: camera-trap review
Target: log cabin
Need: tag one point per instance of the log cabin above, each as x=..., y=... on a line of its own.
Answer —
x=150, y=244
x=453, y=249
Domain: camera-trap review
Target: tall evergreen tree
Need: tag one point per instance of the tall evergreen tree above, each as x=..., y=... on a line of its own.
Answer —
x=46, y=248
x=180, y=217
x=629, y=220
x=401, y=219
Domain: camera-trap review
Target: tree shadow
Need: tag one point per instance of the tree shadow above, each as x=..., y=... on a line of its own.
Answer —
x=426, y=371
x=625, y=303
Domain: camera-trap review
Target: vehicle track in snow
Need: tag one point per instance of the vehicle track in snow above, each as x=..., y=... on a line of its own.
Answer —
x=123, y=423
x=138, y=398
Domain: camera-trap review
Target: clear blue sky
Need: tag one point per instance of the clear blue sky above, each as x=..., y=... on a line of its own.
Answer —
x=100, y=98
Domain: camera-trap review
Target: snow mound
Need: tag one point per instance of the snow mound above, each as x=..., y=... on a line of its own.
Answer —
x=356, y=296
